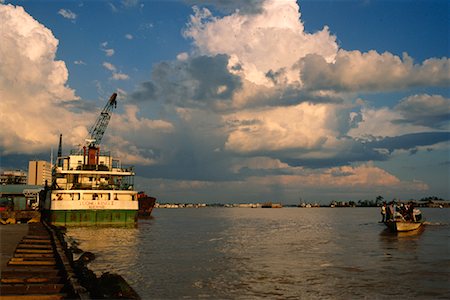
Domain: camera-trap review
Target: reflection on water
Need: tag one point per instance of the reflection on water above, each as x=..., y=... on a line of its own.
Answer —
x=274, y=253
x=115, y=248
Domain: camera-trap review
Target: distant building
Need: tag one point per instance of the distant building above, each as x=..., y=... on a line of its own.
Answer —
x=39, y=171
x=13, y=177
x=19, y=197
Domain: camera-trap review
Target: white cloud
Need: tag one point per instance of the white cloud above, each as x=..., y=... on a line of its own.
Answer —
x=304, y=126
x=381, y=122
x=67, y=13
x=258, y=43
x=182, y=56
x=128, y=36
x=115, y=74
x=79, y=62
x=109, y=66
x=120, y=76
x=109, y=52
x=33, y=85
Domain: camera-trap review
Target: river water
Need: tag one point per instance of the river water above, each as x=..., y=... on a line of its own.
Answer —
x=287, y=253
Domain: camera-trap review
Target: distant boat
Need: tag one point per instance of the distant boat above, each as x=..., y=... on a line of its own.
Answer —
x=402, y=226
x=146, y=204
x=271, y=205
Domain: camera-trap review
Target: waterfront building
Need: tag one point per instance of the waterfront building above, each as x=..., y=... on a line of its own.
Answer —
x=13, y=177
x=39, y=171
x=17, y=197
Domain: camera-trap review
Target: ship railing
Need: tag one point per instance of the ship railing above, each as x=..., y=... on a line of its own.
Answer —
x=124, y=187
x=77, y=152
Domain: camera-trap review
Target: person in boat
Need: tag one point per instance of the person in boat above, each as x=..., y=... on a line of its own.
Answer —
x=411, y=215
x=383, y=212
x=390, y=212
x=404, y=212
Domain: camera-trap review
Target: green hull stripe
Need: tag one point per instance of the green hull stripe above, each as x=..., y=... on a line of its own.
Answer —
x=91, y=217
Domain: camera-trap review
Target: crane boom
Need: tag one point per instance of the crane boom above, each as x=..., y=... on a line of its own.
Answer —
x=97, y=130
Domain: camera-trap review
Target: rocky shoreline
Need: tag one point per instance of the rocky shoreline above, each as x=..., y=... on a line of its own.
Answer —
x=106, y=286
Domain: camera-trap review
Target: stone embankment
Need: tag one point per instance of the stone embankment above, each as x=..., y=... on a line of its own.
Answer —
x=42, y=267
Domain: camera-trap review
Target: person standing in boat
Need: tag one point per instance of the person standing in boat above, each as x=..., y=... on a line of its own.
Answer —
x=383, y=212
x=412, y=217
x=390, y=211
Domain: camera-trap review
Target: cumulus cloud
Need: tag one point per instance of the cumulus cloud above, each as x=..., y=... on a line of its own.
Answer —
x=273, y=40
x=371, y=71
x=33, y=85
x=202, y=81
x=287, y=94
x=129, y=36
x=37, y=104
x=67, y=13
x=426, y=110
x=304, y=126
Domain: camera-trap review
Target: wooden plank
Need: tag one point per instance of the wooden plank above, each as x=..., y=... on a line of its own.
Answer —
x=57, y=296
x=34, y=279
x=34, y=255
x=33, y=246
x=32, y=263
x=36, y=241
x=34, y=250
x=8, y=289
x=37, y=237
x=30, y=272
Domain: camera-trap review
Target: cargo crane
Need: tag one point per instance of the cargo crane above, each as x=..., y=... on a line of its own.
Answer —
x=95, y=136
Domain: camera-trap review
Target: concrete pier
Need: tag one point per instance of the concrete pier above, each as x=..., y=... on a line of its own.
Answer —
x=10, y=236
x=35, y=264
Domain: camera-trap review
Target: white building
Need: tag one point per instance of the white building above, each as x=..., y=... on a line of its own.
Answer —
x=38, y=172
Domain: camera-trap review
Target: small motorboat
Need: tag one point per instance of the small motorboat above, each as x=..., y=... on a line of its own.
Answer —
x=402, y=226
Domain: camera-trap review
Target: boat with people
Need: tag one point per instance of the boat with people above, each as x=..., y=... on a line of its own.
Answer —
x=89, y=186
x=402, y=217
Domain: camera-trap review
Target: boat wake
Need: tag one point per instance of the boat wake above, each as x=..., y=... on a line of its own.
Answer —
x=435, y=224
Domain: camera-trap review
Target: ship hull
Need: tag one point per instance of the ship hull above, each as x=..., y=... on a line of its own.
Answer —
x=91, y=208
x=91, y=217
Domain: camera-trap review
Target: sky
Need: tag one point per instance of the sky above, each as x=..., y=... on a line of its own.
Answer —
x=237, y=101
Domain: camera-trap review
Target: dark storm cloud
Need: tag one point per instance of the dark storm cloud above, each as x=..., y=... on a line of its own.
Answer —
x=79, y=106
x=199, y=81
x=146, y=92
x=354, y=152
x=426, y=110
x=356, y=71
x=230, y=6
x=359, y=151
x=410, y=141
